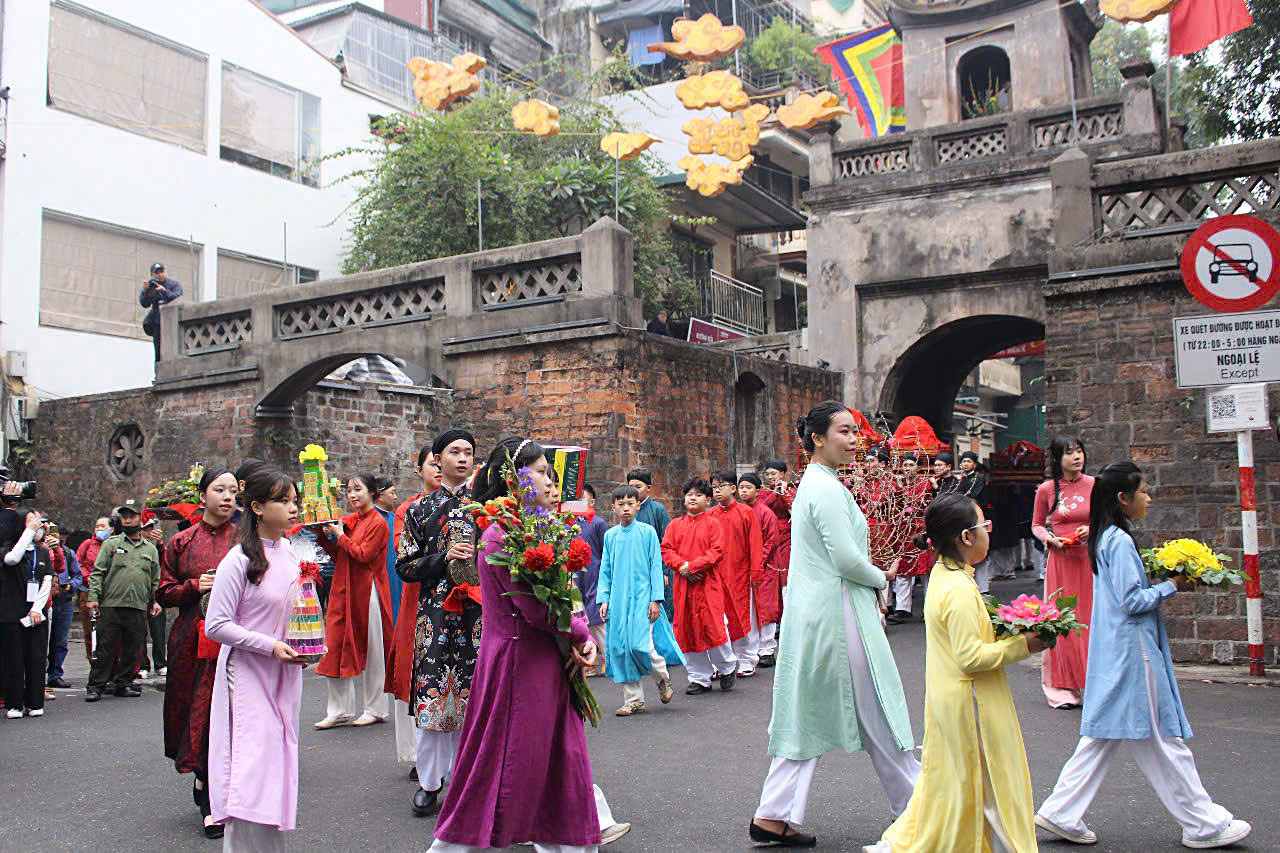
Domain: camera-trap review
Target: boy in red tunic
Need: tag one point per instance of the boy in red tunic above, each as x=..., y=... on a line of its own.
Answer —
x=692, y=549
x=742, y=569
x=766, y=594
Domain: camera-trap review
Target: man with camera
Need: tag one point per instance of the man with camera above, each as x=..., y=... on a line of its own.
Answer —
x=158, y=290
x=122, y=589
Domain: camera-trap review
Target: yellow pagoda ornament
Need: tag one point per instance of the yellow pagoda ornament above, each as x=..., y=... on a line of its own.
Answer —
x=320, y=503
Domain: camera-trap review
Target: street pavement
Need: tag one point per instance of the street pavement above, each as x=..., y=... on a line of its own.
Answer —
x=686, y=775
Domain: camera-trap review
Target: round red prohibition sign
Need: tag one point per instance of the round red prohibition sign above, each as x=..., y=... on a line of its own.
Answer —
x=1232, y=263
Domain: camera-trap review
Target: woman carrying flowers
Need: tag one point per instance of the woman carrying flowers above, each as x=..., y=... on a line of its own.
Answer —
x=1131, y=695
x=974, y=791
x=522, y=771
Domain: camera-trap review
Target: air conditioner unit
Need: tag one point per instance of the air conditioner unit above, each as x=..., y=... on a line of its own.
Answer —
x=15, y=364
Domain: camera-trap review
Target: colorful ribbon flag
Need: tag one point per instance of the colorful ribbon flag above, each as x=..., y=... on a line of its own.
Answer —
x=868, y=67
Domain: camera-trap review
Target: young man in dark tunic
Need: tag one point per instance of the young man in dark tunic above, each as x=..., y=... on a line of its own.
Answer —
x=437, y=551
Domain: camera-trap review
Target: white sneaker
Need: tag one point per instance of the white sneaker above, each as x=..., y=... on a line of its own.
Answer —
x=36, y=712
x=14, y=713
x=1237, y=830
x=612, y=833
x=1086, y=837
x=333, y=722
x=162, y=671
x=142, y=673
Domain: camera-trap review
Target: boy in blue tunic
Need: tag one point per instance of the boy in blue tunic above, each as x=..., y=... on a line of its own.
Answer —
x=630, y=594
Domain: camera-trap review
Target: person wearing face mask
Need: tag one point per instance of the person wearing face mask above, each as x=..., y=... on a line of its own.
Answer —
x=122, y=589
x=26, y=581
x=357, y=624
x=186, y=579
x=66, y=583
x=86, y=556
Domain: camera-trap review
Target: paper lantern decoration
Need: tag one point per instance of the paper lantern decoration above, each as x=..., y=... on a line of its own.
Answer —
x=807, y=110
x=703, y=40
x=437, y=85
x=626, y=146
x=536, y=117
x=319, y=492
x=711, y=179
x=1135, y=11
x=714, y=89
x=570, y=465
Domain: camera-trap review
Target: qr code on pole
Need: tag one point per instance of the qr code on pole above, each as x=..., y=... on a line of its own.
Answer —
x=1222, y=406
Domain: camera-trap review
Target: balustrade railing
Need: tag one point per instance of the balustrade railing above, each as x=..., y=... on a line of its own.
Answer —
x=382, y=306
x=733, y=303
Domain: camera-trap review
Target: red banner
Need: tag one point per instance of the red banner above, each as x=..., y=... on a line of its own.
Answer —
x=1021, y=350
x=703, y=332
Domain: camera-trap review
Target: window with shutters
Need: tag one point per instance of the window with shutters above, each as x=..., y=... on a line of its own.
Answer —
x=107, y=71
x=269, y=126
x=246, y=275
x=91, y=273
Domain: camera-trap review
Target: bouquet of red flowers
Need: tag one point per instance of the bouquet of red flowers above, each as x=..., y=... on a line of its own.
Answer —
x=541, y=549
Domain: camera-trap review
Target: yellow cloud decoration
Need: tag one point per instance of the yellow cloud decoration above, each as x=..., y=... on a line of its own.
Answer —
x=536, y=117
x=703, y=40
x=1135, y=11
x=711, y=179
x=626, y=146
x=437, y=85
x=714, y=89
x=731, y=138
x=807, y=110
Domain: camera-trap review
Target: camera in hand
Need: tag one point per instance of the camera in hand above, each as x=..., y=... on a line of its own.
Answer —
x=27, y=488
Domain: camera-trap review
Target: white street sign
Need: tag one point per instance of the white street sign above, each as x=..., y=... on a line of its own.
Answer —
x=1237, y=407
x=1227, y=349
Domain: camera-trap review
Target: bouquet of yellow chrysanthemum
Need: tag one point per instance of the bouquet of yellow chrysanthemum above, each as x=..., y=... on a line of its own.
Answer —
x=1192, y=559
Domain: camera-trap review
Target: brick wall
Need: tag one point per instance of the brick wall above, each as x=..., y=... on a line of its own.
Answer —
x=1111, y=381
x=633, y=399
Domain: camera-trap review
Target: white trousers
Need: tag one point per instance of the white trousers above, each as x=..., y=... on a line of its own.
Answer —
x=769, y=639
x=982, y=575
x=1004, y=561
x=603, y=812
x=786, y=788
x=1165, y=761
x=1033, y=556
x=902, y=591
x=406, y=732
x=243, y=836
x=343, y=698
x=701, y=667
x=445, y=847
x=747, y=649
x=435, y=754
x=633, y=691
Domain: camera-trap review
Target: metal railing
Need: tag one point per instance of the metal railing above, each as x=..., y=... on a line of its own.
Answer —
x=733, y=303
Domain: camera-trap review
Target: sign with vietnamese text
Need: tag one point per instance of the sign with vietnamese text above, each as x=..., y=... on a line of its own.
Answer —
x=704, y=332
x=1231, y=263
x=1227, y=349
x=1237, y=407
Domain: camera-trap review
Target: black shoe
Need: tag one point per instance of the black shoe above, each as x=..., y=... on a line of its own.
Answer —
x=214, y=830
x=727, y=680
x=92, y=694
x=788, y=838
x=60, y=683
x=694, y=689
x=128, y=690
x=425, y=803
x=413, y=774
x=899, y=616
x=893, y=618
x=767, y=661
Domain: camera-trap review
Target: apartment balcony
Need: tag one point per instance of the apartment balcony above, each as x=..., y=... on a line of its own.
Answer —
x=732, y=303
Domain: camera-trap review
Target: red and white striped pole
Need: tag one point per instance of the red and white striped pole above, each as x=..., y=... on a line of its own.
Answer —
x=1249, y=528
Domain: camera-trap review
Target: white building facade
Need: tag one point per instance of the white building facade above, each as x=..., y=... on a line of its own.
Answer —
x=194, y=134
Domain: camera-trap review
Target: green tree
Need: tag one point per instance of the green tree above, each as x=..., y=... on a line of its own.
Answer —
x=1239, y=95
x=784, y=47
x=418, y=198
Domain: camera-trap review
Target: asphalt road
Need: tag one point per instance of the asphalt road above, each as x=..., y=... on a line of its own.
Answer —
x=687, y=775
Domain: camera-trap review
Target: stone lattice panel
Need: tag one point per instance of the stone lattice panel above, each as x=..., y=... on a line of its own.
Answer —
x=973, y=146
x=1192, y=202
x=416, y=300
x=540, y=280
x=1089, y=127
x=882, y=161
x=780, y=354
x=212, y=334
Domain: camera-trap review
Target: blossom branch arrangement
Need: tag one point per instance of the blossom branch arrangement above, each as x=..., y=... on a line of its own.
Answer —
x=1047, y=619
x=1192, y=559
x=541, y=549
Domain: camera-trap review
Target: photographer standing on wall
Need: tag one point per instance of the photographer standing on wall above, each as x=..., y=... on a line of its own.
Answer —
x=158, y=290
